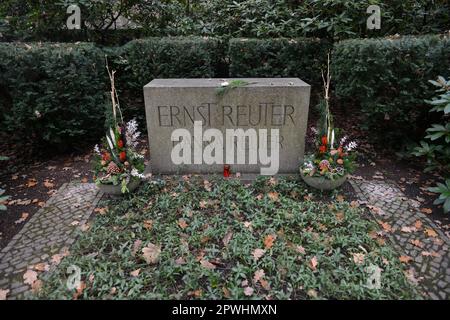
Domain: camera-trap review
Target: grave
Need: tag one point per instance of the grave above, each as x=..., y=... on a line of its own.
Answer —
x=254, y=125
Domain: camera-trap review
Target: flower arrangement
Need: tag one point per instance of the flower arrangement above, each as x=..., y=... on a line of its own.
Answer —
x=116, y=161
x=333, y=158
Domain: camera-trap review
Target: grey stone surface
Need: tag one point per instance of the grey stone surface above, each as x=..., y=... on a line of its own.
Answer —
x=33, y=244
x=280, y=103
x=430, y=261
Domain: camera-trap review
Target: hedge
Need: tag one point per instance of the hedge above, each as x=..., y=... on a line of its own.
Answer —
x=389, y=79
x=140, y=61
x=302, y=57
x=52, y=94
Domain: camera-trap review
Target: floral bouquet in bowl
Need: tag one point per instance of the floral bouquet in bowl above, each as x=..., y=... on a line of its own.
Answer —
x=118, y=167
x=327, y=168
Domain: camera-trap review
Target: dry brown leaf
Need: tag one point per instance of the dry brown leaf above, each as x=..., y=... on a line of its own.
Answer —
x=180, y=261
x=340, y=198
x=135, y=273
x=264, y=284
x=259, y=274
x=30, y=277
x=431, y=233
x=41, y=267
x=418, y=224
x=80, y=290
x=41, y=204
x=358, y=258
x=151, y=253
x=3, y=294
x=136, y=245
x=258, y=253
x=417, y=243
x=182, y=223
x=206, y=264
x=300, y=249
x=273, y=196
x=23, y=217
x=426, y=210
x=312, y=293
x=248, y=291
x=148, y=224
x=269, y=240
x=405, y=259
x=313, y=263
x=31, y=183
x=36, y=286
x=340, y=216
x=226, y=292
x=226, y=240
x=386, y=226
x=101, y=211
x=408, y=229
x=354, y=204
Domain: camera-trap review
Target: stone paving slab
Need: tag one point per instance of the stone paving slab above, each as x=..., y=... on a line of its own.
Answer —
x=50, y=231
x=430, y=263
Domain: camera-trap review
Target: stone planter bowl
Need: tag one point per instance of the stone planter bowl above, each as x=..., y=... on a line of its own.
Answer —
x=323, y=183
x=111, y=189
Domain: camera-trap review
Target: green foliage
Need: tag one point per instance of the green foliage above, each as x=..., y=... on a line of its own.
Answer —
x=437, y=150
x=444, y=194
x=140, y=61
x=52, y=94
x=330, y=232
x=331, y=19
x=3, y=199
x=302, y=57
x=387, y=77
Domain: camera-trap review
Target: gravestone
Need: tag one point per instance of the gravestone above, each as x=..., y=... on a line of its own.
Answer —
x=199, y=125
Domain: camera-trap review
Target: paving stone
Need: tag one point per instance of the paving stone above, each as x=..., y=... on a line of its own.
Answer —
x=45, y=233
x=404, y=212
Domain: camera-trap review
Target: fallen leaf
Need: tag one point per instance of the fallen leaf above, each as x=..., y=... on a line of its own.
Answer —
x=226, y=292
x=75, y=223
x=411, y=276
x=84, y=180
x=136, y=245
x=258, y=253
x=180, y=261
x=41, y=267
x=407, y=229
x=376, y=210
x=84, y=227
x=151, y=253
x=340, y=216
x=273, y=196
x=36, y=286
x=226, y=240
x=431, y=233
x=23, y=217
x=264, y=284
x=135, y=273
x=148, y=224
x=259, y=274
x=269, y=240
x=248, y=291
x=300, y=249
x=182, y=223
x=340, y=198
x=101, y=211
x=30, y=277
x=313, y=263
x=418, y=224
x=386, y=226
x=41, y=204
x=417, y=243
x=80, y=290
x=31, y=183
x=312, y=293
x=206, y=264
x=358, y=258
x=354, y=204
x=426, y=210
x=430, y=254
x=3, y=294
x=405, y=259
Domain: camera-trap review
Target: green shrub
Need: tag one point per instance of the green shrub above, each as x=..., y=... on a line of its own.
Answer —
x=52, y=94
x=437, y=147
x=388, y=78
x=303, y=58
x=141, y=61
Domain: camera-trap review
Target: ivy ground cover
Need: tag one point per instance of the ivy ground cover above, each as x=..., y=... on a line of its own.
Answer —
x=198, y=239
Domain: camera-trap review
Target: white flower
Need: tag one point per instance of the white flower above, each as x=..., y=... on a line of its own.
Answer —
x=37, y=114
x=224, y=84
x=351, y=146
x=132, y=133
x=343, y=140
x=136, y=174
x=96, y=149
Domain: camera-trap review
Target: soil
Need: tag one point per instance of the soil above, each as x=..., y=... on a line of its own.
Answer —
x=32, y=181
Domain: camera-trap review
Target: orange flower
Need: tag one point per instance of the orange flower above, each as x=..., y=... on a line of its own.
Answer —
x=106, y=156
x=123, y=156
x=322, y=149
x=324, y=140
